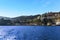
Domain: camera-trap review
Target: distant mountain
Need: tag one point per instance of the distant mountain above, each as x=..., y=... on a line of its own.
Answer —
x=22, y=18
x=5, y=18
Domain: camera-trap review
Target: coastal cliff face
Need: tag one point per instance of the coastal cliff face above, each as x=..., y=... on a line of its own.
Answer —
x=50, y=18
x=53, y=18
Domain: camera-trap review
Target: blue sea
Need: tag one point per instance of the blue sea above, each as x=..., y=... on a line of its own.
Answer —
x=29, y=32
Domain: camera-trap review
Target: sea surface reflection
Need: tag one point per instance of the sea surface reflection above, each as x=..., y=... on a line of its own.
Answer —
x=29, y=33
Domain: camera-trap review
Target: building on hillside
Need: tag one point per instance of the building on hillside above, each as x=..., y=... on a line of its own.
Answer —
x=54, y=16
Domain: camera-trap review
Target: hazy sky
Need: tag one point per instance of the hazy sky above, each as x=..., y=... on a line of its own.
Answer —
x=13, y=8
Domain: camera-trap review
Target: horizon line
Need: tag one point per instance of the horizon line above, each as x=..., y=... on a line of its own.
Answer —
x=30, y=15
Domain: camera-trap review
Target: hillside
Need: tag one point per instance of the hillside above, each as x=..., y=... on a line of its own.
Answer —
x=21, y=20
x=50, y=18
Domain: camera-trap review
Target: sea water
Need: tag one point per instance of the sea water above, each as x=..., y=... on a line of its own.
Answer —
x=29, y=32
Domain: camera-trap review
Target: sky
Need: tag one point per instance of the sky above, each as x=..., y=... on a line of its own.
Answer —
x=14, y=8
